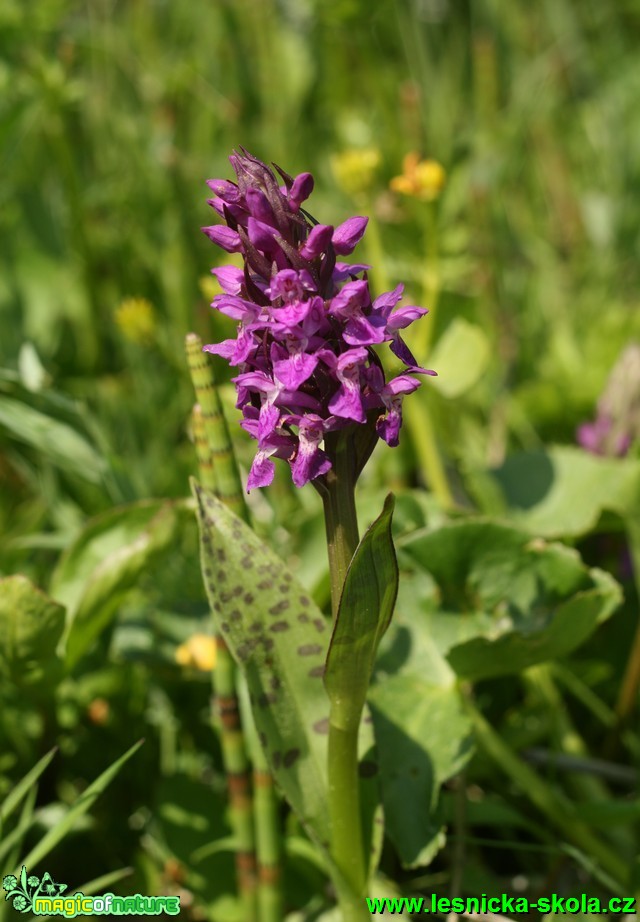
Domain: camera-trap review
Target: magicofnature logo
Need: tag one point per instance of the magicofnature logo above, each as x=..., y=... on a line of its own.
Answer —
x=44, y=897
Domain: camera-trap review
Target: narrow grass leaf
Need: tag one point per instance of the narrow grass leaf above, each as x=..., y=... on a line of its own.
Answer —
x=25, y=784
x=84, y=803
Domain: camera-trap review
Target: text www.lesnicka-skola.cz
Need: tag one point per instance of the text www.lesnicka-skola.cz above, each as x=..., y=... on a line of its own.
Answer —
x=570, y=905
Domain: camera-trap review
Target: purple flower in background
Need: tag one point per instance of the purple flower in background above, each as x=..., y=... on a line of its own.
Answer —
x=307, y=325
x=617, y=424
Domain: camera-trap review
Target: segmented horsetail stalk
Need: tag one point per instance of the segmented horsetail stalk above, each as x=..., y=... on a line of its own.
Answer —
x=218, y=470
x=265, y=802
x=205, y=463
x=227, y=476
x=216, y=465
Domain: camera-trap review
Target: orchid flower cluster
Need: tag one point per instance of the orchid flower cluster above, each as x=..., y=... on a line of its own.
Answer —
x=307, y=324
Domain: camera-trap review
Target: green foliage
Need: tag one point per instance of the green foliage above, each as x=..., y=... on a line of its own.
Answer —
x=31, y=625
x=504, y=602
x=111, y=117
x=364, y=614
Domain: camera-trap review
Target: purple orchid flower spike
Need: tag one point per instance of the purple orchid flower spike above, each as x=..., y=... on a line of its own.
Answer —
x=309, y=378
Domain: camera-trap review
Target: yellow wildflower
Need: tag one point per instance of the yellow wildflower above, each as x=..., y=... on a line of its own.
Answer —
x=136, y=320
x=355, y=169
x=423, y=179
x=198, y=652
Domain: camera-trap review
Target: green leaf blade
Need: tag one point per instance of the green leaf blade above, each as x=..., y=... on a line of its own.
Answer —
x=365, y=612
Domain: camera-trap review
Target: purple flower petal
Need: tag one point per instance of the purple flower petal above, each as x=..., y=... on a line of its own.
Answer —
x=310, y=461
x=317, y=241
x=224, y=237
x=403, y=316
x=388, y=300
x=294, y=370
x=348, y=234
x=344, y=271
x=262, y=472
x=230, y=278
x=300, y=190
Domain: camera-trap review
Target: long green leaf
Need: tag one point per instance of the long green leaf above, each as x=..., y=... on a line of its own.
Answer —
x=84, y=803
x=56, y=440
x=23, y=786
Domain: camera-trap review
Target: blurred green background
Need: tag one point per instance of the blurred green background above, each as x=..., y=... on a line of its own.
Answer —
x=112, y=115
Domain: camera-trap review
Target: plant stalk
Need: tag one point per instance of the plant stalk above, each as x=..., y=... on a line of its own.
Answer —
x=347, y=849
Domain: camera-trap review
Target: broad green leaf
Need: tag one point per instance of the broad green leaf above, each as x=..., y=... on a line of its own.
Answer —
x=56, y=440
x=279, y=638
x=499, y=601
x=566, y=490
x=23, y=786
x=105, y=561
x=364, y=614
x=423, y=739
x=31, y=625
x=84, y=803
x=460, y=357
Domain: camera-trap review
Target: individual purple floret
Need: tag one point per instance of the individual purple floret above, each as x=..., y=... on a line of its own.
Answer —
x=307, y=325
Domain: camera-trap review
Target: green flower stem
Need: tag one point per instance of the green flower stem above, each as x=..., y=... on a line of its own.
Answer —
x=341, y=520
x=558, y=810
x=347, y=849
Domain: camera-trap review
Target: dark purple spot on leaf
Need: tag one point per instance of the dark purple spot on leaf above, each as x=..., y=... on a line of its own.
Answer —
x=265, y=584
x=279, y=626
x=255, y=626
x=279, y=607
x=319, y=624
x=317, y=672
x=304, y=619
x=224, y=627
x=304, y=601
x=309, y=649
x=277, y=759
x=322, y=726
x=235, y=615
x=248, y=598
x=290, y=756
x=275, y=682
x=243, y=651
